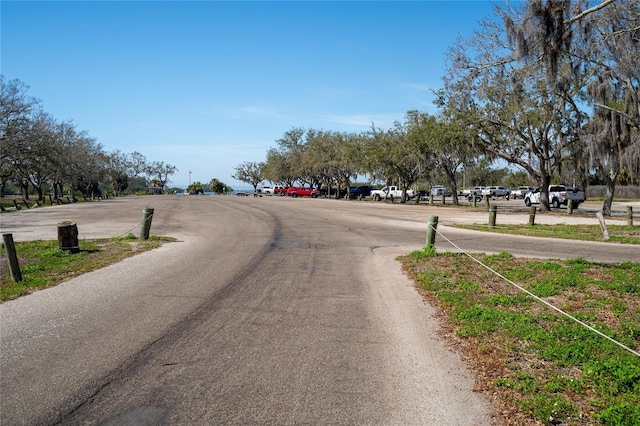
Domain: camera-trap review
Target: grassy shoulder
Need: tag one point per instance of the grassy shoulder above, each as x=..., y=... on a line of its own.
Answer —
x=43, y=264
x=621, y=234
x=539, y=366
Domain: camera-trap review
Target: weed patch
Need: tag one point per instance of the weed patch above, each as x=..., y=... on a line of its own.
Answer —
x=43, y=264
x=544, y=367
x=621, y=234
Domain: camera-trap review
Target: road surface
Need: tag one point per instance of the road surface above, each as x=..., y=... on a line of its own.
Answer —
x=265, y=310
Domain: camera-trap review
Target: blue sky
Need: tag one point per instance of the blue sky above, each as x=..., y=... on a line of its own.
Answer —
x=208, y=85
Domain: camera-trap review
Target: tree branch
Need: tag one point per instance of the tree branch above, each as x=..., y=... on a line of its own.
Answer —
x=579, y=16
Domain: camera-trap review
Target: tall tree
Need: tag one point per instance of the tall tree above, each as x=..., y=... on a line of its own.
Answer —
x=160, y=172
x=613, y=48
x=16, y=109
x=251, y=173
x=521, y=114
x=396, y=156
x=594, y=49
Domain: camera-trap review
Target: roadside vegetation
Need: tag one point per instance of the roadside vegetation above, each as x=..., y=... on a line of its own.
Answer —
x=537, y=365
x=43, y=264
x=622, y=234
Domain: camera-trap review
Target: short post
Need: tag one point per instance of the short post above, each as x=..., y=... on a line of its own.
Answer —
x=603, y=225
x=14, y=267
x=68, y=236
x=570, y=207
x=431, y=231
x=493, y=212
x=147, y=216
x=630, y=215
x=487, y=202
x=443, y=198
x=532, y=215
x=475, y=201
x=430, y=199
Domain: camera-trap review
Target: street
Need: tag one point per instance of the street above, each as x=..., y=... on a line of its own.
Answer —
x=266, y=310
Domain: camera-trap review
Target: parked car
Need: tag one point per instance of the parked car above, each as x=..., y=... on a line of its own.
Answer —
x=497, y=191
x=521, y=192
x=360, y=191
x=391, y=192
x=438, y=190
x=558, y=195
x=280, y=190
x=276, y=190
x=301, y=192
x=477, y=193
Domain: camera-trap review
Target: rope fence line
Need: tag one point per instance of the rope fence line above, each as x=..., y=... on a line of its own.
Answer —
x=539, y=299
x=146, y=219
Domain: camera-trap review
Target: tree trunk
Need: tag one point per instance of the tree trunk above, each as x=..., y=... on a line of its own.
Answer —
x=608, y=198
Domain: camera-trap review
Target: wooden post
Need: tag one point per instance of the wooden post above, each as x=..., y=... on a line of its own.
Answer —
x=14, y=267
x=493, y=212
x=431, y=231
x=532, y=215
x=443, y=198
x=487, y=202
x=603, y=225
x=430, y=199
x=147, y=216
x=475, y=201
x=68, y=236
x=630, y=215
x=570, y=207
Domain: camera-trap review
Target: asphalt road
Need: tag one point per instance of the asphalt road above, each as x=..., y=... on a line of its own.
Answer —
x=266, y=310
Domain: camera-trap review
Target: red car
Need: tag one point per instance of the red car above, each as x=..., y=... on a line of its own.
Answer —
x=280, y=190
x=299, y=192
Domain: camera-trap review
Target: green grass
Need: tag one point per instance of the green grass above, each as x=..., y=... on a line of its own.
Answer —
x=622, y=234
x=544, y=367
x=43, y=264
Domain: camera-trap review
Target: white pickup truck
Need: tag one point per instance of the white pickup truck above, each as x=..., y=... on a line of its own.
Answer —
x=558, y=195
x=390, y=192
x=496, y=191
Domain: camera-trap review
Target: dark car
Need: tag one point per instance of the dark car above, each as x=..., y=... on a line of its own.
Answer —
x=360, y=192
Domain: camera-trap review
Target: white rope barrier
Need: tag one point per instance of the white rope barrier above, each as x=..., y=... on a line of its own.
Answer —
x=551, y=306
